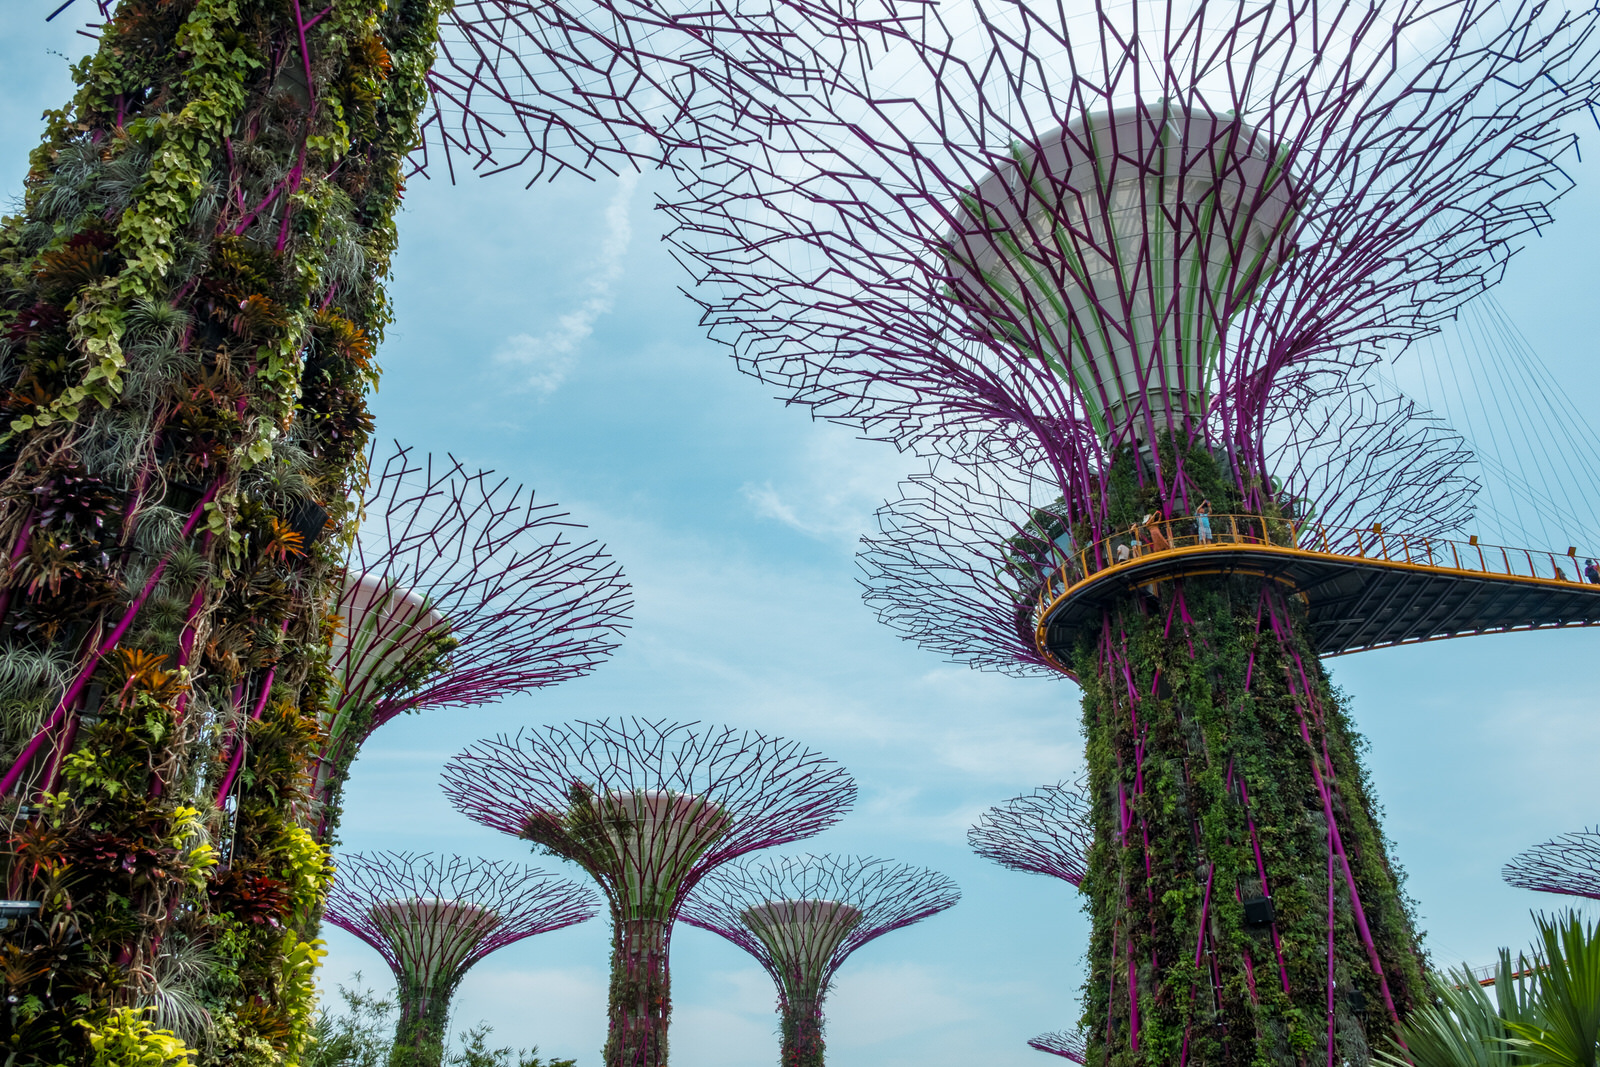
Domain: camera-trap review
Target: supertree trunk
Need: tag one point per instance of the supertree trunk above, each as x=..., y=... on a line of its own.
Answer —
x=193, y=295
x=424, y=1020
x=1242, y=899
x=641, y=994
x=801, y=1032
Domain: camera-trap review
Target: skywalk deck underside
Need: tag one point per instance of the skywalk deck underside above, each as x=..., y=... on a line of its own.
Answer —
x=1354, y=603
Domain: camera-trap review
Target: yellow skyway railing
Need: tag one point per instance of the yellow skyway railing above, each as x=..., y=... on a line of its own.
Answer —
x=1188, y=533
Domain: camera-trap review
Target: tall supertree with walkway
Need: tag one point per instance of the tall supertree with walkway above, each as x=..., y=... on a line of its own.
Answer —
x=1568, y=864
x=193, y=298
x=801, y=917
x=647, y=809
x=1119, y=256
x=432, y=918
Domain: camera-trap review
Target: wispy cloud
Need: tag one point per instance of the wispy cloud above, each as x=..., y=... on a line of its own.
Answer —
x=841, y=483
x=544, y=360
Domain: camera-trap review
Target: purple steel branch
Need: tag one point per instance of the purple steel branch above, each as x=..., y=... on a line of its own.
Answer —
x=867, y=257
x=1048, y=831
x=1068, y=1044
x=1569, y=865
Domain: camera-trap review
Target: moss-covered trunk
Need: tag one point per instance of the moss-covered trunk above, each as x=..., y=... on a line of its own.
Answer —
x=641, y=994
x=190, y=297
x=424, y=1019
x=801, y=1028
x=1244, y=907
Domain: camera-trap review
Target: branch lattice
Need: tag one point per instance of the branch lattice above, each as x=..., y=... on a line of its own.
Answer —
x=803, y=916
x=399, y=903
x=926, y=252
x=1048, y=831
x=556, y=88
x=461, y=590
x=1569, y=865
x=1068, y=1044
x=726, y=791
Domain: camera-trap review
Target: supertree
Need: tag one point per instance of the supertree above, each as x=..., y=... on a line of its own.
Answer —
x=458, y=590
x=1068, y=1044
x=803, y=916
x=647, y=809
x=193, y=295
x=432, y=918
x=1569, y=864
x=1047, y=831
x=1110, y=255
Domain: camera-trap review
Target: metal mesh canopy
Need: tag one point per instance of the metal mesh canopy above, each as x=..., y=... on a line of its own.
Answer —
x=461, y=590
x=1068, y=1044
x=1569, y=864
x=802, y=916
x=556, y=87
x=433, y=917
x=1048, y=831
x=1085, y=228
x=648, y=807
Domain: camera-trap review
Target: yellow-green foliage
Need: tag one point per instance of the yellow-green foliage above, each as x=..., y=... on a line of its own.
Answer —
x=126, y=1039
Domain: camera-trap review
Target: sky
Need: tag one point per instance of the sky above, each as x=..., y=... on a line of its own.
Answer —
x=541, y=332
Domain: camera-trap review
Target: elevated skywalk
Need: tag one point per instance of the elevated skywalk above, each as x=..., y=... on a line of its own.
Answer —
x=1363, y=588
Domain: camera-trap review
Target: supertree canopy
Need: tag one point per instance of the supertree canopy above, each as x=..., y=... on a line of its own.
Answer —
x=1047, y=831
x=803, y=916
x=1569, y=864
x=459, y=590
x=647, y=808
x=432, y=918
x=193, y=292
x=1068, y=1044
x=1154, y=219
x=1135, y=261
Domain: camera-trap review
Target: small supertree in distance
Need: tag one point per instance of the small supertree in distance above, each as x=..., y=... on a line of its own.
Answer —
x=802, y=917
x=1569, y=865
x=458, y=590
x=432, y=918
x=1048, y=831
x=1068, y=1044
x=1124, y=255
x=647, y=809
